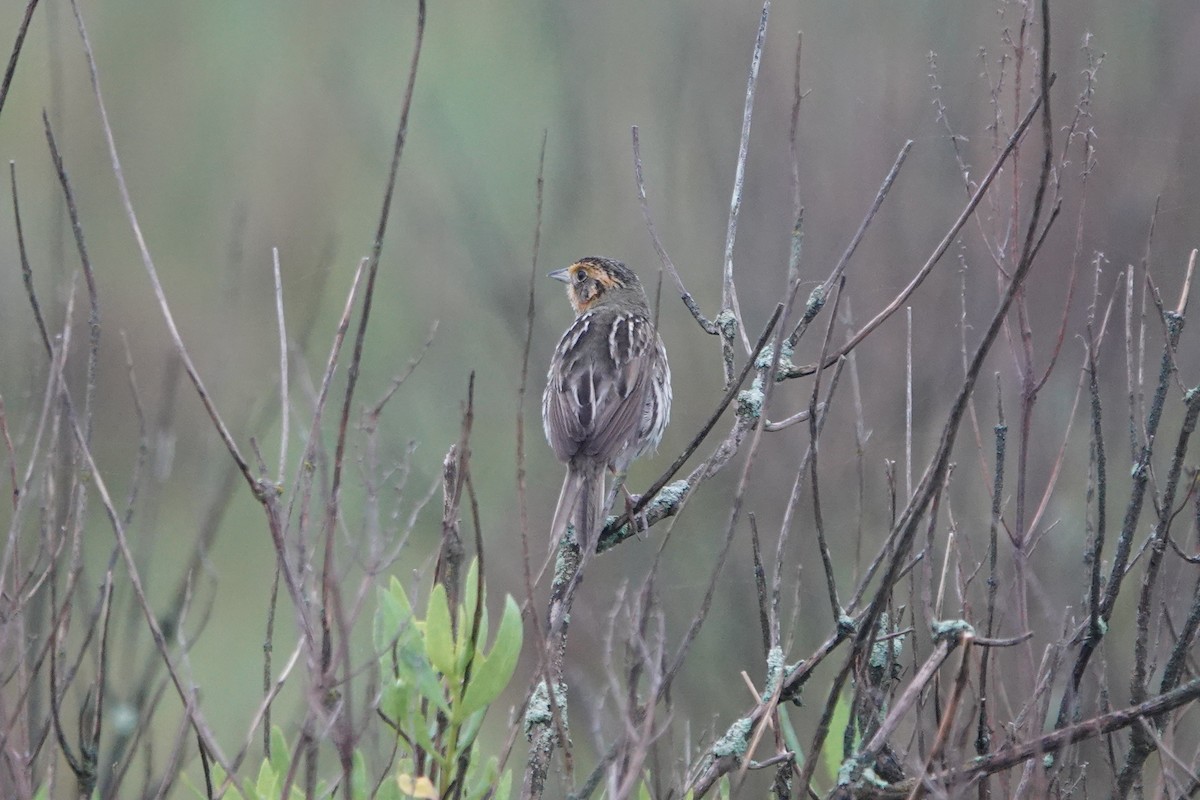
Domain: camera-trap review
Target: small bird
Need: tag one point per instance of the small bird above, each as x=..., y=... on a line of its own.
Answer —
x=608, y=391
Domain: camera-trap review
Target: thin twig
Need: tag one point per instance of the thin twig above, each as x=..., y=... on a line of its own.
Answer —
x=522, y=389
x=201, y=728
x=147, y=262
x=372, y=271
x=905, y=528
x=89, y=276
x=707, y=325
x=1010, y=756
x=11, y=69
x=12, y=455
x=375, y=411
x=813, y=452
x=817, y=299
x=729, y=300
x=26, y=269
x=983, y=735
x=943, y=732
x=1185, y=292
x=283, y=366
x=940, y=250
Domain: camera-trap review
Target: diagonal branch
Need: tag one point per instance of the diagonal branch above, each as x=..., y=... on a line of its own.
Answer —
x=938, y=251
x=706, y=324
x=148, y=262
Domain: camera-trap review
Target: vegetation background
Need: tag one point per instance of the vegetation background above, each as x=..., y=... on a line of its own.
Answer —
x=248, y=126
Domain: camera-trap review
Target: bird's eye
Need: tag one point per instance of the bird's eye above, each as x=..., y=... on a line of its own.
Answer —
x=580, y=276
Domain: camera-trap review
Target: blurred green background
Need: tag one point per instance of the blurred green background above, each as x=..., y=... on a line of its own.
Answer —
x=247, y=126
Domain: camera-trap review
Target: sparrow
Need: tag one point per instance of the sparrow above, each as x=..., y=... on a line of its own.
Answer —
x=608, y=391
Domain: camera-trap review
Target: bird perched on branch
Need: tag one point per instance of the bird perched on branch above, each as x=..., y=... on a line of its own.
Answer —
x=608, y=391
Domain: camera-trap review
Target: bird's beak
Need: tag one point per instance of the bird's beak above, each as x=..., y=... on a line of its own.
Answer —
x=560, y=275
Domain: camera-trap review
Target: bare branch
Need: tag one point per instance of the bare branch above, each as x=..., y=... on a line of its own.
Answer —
x=283, y=366
x=817, y=299
x=11, y=69
x=729, y=300
x=938, y=251
x=707, y=325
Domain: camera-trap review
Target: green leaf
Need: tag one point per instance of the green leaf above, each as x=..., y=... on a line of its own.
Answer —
x=407, y=659
x=394, y=701
x=389, y=790
x=493, y=672
x=466, y=617
x=470, y=595
x=420, y=734
x=470, y=729
x=187, y=781
x=218, y=778
x=482, y=780
x=831, y=756
x=422, y=676
x=439, y=638
x=789, y=735
x=360, y=785
x=406, y=664
x=482, y=636
x=281, y=754
x=404, y=660
x=503, y=787
x=394, y=615
x=465, y=652
x=485, y=781
x=266, y=785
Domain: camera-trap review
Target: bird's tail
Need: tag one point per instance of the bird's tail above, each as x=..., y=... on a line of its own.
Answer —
x=580, y=503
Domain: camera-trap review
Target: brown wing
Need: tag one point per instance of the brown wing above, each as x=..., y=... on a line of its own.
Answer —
x=596, y=389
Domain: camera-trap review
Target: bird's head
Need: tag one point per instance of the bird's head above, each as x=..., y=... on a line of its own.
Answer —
x=593, y=280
